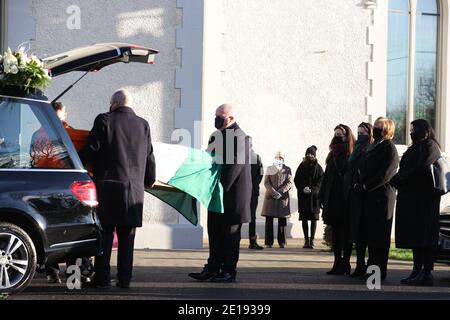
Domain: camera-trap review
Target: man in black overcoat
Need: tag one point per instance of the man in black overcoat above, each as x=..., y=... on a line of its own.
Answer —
x=257, y=170
x=120, y=148
x=231, y=147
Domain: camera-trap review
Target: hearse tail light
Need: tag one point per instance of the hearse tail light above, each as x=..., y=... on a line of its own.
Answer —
x=86, y=192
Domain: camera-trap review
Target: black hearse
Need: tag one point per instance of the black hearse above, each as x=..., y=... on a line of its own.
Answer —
x=48, y=208
x=444, y=237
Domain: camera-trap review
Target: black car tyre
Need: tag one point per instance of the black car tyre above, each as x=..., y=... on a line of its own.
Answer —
x=17, y=259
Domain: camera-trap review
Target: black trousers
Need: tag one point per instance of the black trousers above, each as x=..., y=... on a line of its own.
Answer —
x=281, y=234
x=424, y=258
x=125, y=236
x=361, y=248
x=342, y=248
x=361, y=244
x=305, y=227
x=224, y=244
x=252, y=226
x=379, y=256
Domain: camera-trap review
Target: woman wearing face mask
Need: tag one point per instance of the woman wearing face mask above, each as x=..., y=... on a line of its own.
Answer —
x=278, y=183
x=351, y=184
x=332, y=197
x=308, y=179
x=379, y=166
x=417, y=214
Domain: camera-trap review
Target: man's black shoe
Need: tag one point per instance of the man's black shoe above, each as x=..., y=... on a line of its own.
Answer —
x=255, y=246
x=413, y=274
x=423, y=279
x=224, y=277
x=203, y=276
x=97, y=285
x=123, y=285
x=54, y=279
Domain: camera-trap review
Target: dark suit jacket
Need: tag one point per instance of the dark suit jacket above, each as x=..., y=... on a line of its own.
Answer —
x=236, y=176
x=120, y=148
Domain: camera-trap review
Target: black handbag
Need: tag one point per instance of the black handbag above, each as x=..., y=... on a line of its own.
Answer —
x=440, y=171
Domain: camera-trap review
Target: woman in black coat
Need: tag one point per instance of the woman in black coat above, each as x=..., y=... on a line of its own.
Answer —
x=333, y=201
x=308, y=179
x=417, y=214
x=379, y=166
x=356, y=199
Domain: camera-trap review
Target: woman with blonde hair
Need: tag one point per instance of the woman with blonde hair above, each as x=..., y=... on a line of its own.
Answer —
x=379, y=166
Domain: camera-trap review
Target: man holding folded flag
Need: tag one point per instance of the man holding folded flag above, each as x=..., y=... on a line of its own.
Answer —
x=230, y=147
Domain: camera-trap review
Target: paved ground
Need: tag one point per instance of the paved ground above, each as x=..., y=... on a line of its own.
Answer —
x=272, y=274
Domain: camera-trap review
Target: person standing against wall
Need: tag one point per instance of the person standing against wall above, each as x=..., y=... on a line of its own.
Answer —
x=278, y=183
x=335, y=206
x=417, y=214
x=231, y=147
x=356, y=199
x=257, y=176
x=308, y=179
x=379, y=166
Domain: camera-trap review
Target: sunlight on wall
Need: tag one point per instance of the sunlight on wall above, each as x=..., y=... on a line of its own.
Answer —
x=150, y=21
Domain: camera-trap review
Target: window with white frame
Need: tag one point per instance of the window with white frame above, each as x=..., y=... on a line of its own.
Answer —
x=412, y=74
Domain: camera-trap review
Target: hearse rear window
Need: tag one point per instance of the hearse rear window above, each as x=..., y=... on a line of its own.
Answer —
x=27, y=139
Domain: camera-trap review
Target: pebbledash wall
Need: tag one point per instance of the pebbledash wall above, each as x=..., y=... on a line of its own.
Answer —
x=294, y=69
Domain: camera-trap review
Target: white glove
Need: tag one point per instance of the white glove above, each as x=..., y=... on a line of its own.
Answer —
x=307, y=190
x=277, y=195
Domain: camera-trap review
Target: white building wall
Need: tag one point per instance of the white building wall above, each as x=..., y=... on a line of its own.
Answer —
x=151, y=23
x=294, y=70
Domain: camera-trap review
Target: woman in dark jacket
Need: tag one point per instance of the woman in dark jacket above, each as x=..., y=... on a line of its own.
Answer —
x=308, y=179
x=352, y=180
x=417, y=214
x=379, y=166
x=332, y=197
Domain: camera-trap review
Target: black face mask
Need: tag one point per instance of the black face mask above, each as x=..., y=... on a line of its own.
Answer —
x=363, y=138
x=338, y=140
x=417, y=137
x=219, y=123
x=377, y=134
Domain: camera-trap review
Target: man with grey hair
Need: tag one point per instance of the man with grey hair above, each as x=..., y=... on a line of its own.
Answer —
x=120, y=148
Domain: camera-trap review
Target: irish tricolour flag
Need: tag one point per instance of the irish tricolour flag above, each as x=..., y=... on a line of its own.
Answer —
x=185, y=176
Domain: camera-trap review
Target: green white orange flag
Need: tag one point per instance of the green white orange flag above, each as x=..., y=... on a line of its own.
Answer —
x=185, y=176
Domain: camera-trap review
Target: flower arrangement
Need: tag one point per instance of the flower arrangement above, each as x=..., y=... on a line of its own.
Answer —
x=22, y=70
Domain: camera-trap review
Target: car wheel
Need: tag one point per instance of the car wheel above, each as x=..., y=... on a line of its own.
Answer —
x=17, y=259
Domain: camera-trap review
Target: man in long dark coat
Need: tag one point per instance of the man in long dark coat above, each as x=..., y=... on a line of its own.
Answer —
x=257, y=176
x=120, y=148
x=231, y=147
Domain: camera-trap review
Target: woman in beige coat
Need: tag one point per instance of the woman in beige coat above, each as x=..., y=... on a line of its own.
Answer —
x=278, y=183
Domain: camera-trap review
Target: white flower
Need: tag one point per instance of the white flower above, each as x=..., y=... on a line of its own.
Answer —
x=23, y=58
x=14, y=69
x=9, y=60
